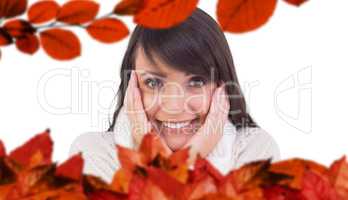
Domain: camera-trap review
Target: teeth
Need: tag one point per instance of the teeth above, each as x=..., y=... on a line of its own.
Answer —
x=176, y=125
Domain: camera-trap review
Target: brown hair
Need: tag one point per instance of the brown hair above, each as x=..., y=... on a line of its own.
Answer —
x=197, y=46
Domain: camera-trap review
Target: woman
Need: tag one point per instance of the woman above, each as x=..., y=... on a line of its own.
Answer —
x=182, y=83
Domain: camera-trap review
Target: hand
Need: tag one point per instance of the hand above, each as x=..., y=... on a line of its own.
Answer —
x=140, y=124
x=209, y=134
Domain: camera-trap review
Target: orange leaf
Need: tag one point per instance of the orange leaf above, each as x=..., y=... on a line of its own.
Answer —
x=277, y=192
x=129, y=158
x=179, y=157
x=201, y=188
x=12, y=8
x=60, y=44
x=240, y=16
x=5, y=37
x=28, y=44
x=121, y=180
x=136, y=187
x=19, y=28
x=151, y=146
x=152, y=191
x=317, y=187
x=43, y=11
x=108, y=30
x=296, y=2
x=165, y=13
x=339, y=176
x=71, y=168
x=169, y=185
x=106, y=195
x=203, y=168
x=78, y=11
x=2, y=149
x=296, y=167
x=129, y=7
x=41, y=142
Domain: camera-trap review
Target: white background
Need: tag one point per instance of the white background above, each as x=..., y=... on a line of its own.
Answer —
x=293, y=71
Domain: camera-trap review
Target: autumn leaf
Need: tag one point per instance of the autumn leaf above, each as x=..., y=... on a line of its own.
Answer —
x=106, y=195
x=296, y=2
x=19, y=28
x=108, y=30
x=28, y=44
x=198, y=189
x=151, y=146
x=78, y=11
x=12, y=8
x=339, y=176
x=121, y=180
x=129, y=7
x=2, y=149
x=168, y=184
x=43, y=11
x=317, y=187
x=161, y=14
x=5, y=37
x=277, y=192
x=41, y=142
x=71, y=168
x=241, y=16
x=296, y=168
x=60, y=44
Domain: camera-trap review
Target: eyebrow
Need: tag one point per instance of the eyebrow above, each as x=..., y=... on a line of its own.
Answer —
x=158, y=74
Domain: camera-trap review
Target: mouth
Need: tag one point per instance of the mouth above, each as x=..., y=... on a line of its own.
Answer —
x=187, y=125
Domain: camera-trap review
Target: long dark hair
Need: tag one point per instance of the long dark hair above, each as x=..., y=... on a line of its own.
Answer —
x=197, y=46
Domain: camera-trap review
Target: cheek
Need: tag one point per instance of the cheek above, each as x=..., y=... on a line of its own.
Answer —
x=150, y=102
x=199, y=104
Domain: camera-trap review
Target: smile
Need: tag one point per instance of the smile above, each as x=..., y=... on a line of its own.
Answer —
x=176, y=125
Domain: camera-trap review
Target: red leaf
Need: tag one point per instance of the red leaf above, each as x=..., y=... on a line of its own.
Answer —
x=296, y=2
x=106, y=195
x=43, y=11
x=339, y=176
x=19, y=28
x=136, y=187
x=108, y=30
x=151, y=145
x=78, y=11
x=60, y=44
x=202, y=168
x=12, y=8
x=129, y=7
x=277, y=192
x=179, y=158
x=2, y=149
x=317, y=187
x=169, y=185
x=242, y=16
x=28, y=44
x=129, y=158
x=71, y=168
x=5, y=37
x=41, y=142
x=165, y=14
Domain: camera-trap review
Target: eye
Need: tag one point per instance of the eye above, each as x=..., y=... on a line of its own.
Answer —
x=152, y=82
x=197, y=81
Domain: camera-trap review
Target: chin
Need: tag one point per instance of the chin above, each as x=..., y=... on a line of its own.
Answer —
x=176, y=142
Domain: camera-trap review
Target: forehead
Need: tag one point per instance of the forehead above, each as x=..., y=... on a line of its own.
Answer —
x=142, y=63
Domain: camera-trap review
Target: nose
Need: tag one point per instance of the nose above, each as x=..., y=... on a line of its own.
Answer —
x=172, y=99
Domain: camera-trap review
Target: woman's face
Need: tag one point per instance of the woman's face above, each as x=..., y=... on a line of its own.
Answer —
x=170, y=95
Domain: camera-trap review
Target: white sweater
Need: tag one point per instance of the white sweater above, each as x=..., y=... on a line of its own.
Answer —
x=233, y=150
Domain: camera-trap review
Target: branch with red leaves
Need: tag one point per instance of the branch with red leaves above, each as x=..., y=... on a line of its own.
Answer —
x=47, y=21
x=149, y=173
